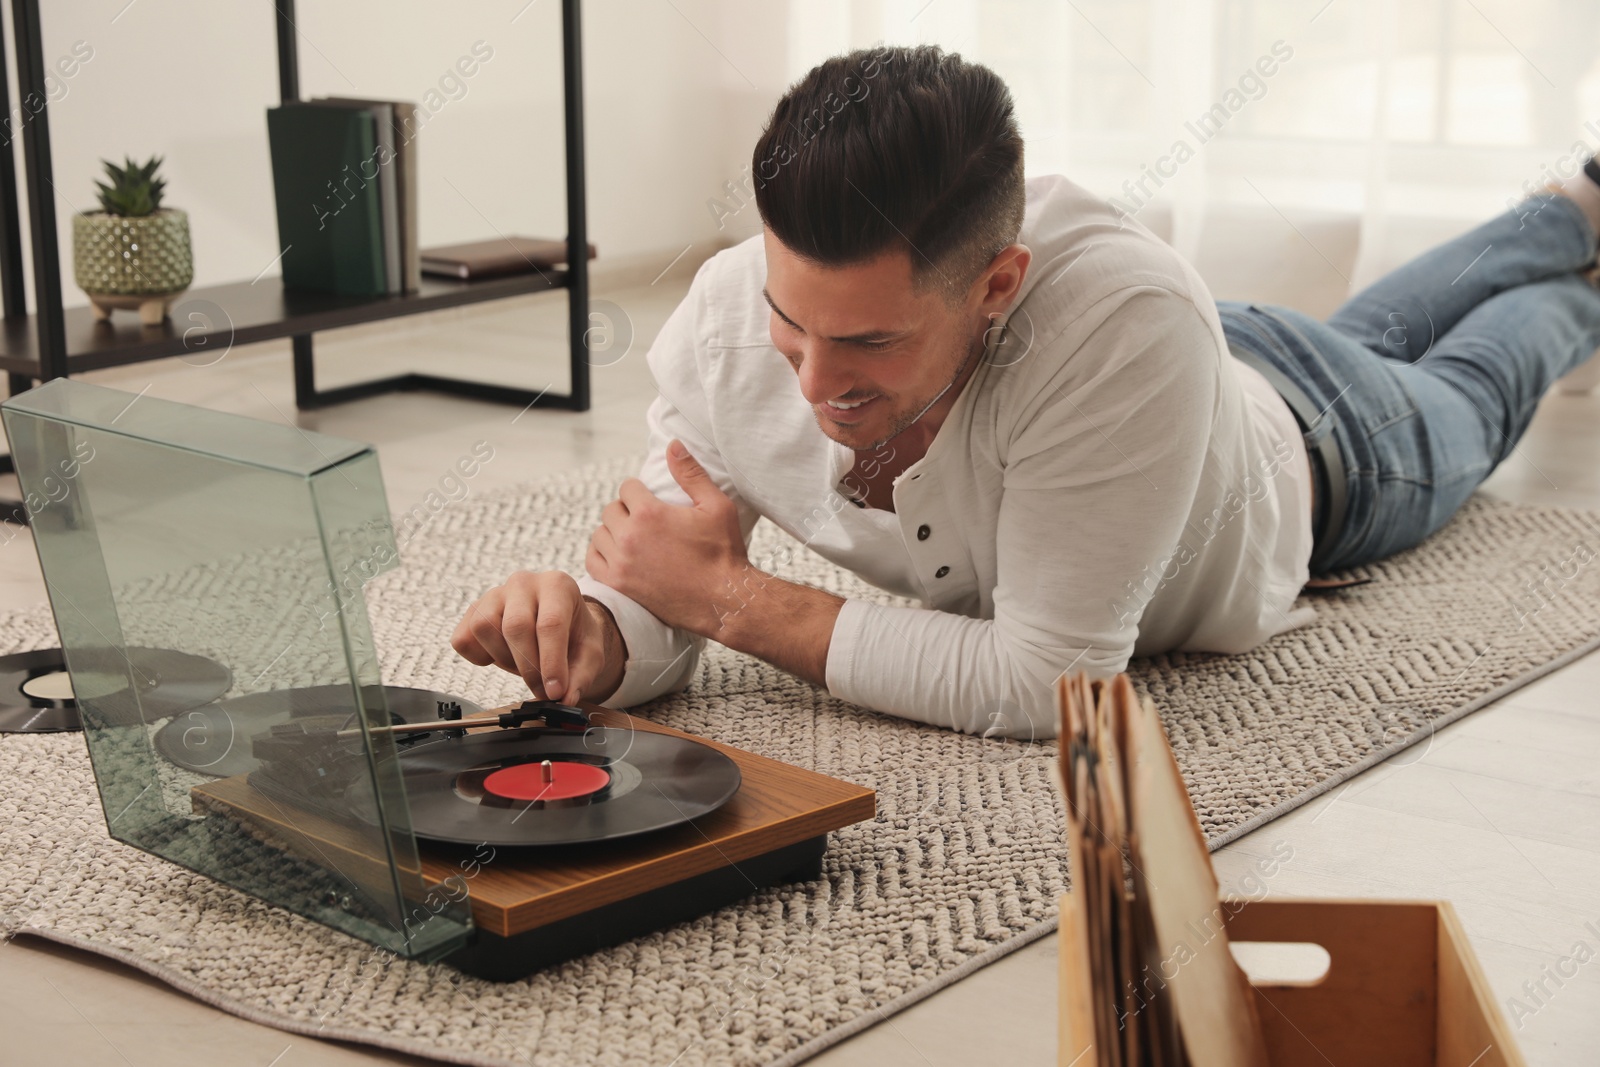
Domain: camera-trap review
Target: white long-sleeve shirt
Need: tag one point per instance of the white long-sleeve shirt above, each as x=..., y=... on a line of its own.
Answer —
x=1110, y=482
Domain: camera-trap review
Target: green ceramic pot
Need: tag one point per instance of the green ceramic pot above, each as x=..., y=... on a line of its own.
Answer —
x=122, y=256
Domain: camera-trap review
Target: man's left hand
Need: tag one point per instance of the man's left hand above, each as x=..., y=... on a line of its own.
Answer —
x=675, y=561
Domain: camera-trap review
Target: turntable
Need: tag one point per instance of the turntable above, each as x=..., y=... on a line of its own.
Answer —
x=655, y=827
x=207, y=576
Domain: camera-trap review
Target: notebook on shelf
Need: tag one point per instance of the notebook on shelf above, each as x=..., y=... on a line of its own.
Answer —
x=495, y=258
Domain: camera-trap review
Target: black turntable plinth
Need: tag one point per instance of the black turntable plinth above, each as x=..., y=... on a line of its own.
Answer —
x=536, y=906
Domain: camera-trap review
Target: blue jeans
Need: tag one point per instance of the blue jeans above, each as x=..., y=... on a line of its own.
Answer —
x=1431, y=374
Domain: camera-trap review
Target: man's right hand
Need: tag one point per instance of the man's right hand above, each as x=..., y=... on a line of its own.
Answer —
x=539, y=627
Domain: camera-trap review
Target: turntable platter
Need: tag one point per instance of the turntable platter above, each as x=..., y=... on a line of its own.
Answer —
x=605, y=783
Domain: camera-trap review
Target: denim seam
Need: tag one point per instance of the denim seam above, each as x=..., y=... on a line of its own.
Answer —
x=1317, y=354
x=1474, y=471
x=1310, y=349
x=1267, y=339
x=1398, y=418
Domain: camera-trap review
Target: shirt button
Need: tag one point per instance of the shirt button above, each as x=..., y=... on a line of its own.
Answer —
x=923, y=532
x=941, y=572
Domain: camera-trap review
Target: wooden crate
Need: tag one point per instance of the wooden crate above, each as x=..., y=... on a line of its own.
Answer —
x=1403, y=988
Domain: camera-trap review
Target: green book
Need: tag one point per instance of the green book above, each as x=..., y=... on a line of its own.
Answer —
x=325, y=179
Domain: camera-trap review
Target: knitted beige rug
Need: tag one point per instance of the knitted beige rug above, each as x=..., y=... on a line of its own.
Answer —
x=961, y=866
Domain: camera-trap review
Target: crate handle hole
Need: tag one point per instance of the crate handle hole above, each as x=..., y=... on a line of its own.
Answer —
x=1282, y=963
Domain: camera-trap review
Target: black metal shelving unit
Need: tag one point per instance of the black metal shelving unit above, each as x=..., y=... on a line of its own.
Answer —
x=52, y=343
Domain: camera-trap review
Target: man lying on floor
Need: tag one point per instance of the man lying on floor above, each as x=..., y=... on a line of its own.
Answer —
x=1006, y=400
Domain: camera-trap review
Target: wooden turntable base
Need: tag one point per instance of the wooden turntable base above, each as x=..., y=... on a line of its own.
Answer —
x=533, y=907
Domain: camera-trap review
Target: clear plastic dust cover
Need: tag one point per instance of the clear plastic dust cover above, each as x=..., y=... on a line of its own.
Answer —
x=206, y=573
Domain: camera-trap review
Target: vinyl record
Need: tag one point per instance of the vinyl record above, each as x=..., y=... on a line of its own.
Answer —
x=36, y=694
x=215, y=739
x=491, y=788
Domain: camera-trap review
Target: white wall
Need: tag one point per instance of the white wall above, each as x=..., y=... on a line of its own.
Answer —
x=669, y=117
x=678, y=89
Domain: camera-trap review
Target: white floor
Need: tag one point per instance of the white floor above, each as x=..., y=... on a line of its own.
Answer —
x=1499, y=814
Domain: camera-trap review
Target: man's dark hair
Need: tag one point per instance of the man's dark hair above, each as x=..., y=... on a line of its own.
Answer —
x=886, y=147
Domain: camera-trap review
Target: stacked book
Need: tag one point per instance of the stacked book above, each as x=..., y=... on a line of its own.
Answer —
x=496, y=257
x=344, y=175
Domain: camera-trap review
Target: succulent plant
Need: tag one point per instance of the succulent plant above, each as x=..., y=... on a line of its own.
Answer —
x=134, y=191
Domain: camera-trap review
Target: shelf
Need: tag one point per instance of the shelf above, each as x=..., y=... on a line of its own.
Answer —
x=206, y=319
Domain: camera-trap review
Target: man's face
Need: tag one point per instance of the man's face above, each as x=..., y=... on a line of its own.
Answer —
x=862, y=334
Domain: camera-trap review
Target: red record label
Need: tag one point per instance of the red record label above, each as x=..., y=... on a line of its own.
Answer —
x=529, y=781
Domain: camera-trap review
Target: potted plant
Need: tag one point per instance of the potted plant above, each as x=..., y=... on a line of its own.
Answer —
x=133, y=253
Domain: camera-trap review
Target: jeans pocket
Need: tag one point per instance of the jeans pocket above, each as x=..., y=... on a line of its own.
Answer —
x=1385, y=404
x=1397, y=439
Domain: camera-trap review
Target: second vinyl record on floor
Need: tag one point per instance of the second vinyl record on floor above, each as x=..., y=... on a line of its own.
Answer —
x=37, y=694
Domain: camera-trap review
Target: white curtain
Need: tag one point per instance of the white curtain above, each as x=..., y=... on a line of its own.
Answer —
x=1292, y=149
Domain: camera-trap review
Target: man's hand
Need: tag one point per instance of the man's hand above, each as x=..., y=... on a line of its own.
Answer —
x=538, y=626
x=678, y=562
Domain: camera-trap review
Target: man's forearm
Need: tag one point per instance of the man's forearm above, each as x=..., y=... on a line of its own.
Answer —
x=787, y=624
